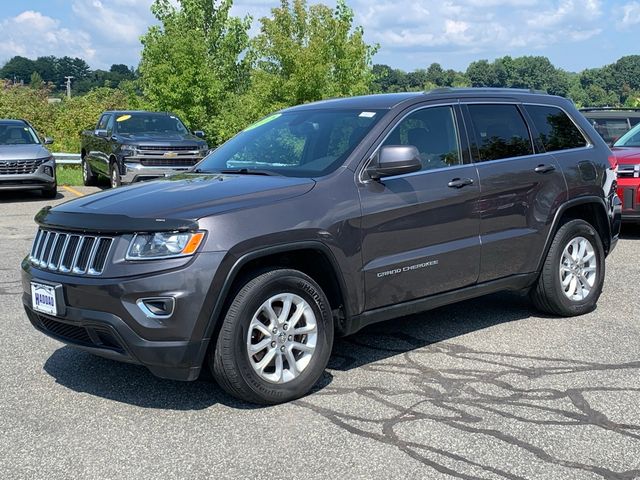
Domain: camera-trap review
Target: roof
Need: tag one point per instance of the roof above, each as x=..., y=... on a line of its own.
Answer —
x=131, y=112
x=12, y=121
x=391, y=100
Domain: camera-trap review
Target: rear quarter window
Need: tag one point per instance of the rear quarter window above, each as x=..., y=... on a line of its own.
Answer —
x=555, y=129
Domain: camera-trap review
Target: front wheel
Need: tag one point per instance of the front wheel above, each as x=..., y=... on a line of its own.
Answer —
x=275, y=340
x=573, y=273
x=114, y=175
x=88, y=178
x=50, y=192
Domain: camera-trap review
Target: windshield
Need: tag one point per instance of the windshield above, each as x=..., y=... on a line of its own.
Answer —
x=144, y=123
x=308, y=143
x=17, y=134
x=630, y=139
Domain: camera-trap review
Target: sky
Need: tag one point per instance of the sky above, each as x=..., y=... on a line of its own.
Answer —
x=412, y=34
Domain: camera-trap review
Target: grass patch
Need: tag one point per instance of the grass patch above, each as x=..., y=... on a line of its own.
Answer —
x=69, y=175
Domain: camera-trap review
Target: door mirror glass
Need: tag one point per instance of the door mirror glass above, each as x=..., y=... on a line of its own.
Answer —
x=102, y=133
x=395, y=160
x=199, y=133
x=48, y=140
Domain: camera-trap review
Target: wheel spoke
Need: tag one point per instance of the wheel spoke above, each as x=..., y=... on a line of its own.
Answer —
x=566, y=280
x=573, y=285
x=258, y=347
x=258, y=325
x=266, y=360
x=291, y=360
x=303, y=347
x=279, y=367
x=286, y=309
x=308, y=328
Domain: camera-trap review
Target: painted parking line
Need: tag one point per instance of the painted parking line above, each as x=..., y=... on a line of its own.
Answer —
x=78, y=193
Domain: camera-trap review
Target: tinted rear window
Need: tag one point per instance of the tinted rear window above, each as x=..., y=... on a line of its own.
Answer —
x=557, y=131
x=610, y=129
x=501, y=132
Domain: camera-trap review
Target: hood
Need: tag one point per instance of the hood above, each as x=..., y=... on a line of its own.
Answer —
x=162, y=139
x=174, y=203
x=627, y=154
x=23, y=152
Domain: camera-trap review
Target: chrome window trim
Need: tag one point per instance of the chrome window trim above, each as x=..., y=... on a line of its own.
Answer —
x=367, y=162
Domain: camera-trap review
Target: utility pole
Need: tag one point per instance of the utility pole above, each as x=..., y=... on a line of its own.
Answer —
x=68, y=84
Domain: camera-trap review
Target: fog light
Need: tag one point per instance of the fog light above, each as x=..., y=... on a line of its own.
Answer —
x=48, y=171
x=157, y=307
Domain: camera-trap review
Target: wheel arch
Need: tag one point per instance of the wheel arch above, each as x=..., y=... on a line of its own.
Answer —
x=312, y=258
x=589, y=209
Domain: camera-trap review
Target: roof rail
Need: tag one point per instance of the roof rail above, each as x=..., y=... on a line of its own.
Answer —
x=483, y=89
x=619, y=109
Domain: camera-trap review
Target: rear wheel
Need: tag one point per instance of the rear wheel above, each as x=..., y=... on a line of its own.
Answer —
x=114, y=175
x=88, y=178
x=573, y=273
x=275, y=340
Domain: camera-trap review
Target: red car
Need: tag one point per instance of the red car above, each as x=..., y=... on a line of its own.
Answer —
x=627, y=153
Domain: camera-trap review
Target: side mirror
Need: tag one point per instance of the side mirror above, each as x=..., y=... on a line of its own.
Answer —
x=101, y=133
x=395, y=160
x=199, y=133
x=48, y=140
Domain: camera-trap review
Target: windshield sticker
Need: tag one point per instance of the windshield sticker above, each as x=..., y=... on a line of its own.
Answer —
x=367, y=114
x=264, y=121
x=122, y=118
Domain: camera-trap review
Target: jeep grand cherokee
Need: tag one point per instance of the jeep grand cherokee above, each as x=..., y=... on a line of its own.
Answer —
x=324, y=218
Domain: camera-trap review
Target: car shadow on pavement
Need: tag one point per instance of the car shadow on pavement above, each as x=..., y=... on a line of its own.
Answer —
x=135, y=385
x=26, y=196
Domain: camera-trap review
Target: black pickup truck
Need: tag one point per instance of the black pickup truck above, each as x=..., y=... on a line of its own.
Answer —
x=130, y=146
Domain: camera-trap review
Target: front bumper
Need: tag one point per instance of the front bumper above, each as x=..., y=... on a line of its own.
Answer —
x=101, y=315
x=629, y=193
x=38, y=180
x=136, y=172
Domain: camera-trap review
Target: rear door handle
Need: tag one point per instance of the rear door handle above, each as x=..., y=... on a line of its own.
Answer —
x=460, y=182
x=544, y=168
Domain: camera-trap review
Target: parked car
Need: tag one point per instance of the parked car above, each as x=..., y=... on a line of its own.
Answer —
x=612, y=123
x=627, y=154
x=130, y=146
x=25, y=162
x=324, y=218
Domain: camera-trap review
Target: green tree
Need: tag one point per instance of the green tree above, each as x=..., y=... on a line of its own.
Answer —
x=35, y=81
x=18, y=69
x=305, y=53
x=194, y=60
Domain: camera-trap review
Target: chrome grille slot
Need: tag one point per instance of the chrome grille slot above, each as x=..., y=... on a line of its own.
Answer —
x=70, y=252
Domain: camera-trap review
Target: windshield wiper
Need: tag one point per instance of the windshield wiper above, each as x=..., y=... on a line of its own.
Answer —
x=248, y=171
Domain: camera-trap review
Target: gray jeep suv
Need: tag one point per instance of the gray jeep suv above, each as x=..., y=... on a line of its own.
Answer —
x=322, y=219
x=25, y=162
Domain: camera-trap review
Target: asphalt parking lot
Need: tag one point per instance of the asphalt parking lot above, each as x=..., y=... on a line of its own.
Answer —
x=487, y=388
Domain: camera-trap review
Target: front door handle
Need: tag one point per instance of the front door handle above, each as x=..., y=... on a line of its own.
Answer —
x=544, y=168
x=460, y=182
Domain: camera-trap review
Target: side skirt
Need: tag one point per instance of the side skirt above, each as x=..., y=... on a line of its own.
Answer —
x=369, y=317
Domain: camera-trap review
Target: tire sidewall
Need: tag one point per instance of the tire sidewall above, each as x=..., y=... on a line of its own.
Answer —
x=114, y=169
x=292, y=282
x=571, y=230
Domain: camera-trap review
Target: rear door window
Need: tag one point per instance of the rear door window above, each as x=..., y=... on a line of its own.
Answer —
x=500, y=131
x=555, y=129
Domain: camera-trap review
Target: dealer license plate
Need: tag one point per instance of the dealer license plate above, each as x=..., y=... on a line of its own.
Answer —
x=43, y=298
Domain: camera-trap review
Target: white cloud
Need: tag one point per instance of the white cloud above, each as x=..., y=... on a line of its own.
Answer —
x=119, y=22
x=629, y=15
x=32, y=34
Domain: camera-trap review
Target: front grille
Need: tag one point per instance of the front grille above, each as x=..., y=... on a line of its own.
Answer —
x=154, y=148
x=20, y=167
x=169, y=162
x=96, y=336
x=629, y=171
x=70, y=252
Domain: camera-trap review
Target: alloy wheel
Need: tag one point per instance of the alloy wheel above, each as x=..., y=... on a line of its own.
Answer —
x=578, y=269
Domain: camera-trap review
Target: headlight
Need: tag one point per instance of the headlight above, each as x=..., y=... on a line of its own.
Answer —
x=149, y=246
x=128, y=149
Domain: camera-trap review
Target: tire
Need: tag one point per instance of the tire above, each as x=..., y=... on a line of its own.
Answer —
x=239, y=372
x=51, y=192
x=114, y=175
x=88, y=178
x=567, y=287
